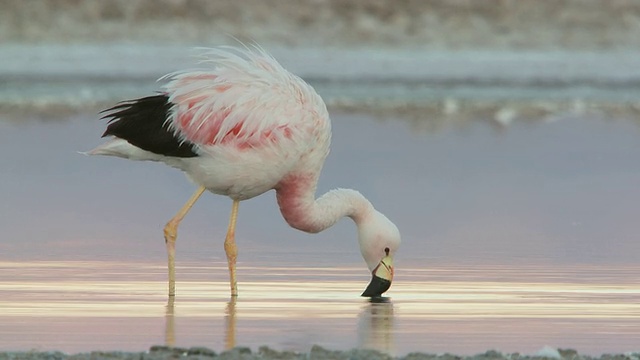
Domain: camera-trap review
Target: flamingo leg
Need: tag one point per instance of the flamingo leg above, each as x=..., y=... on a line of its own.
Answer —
x=171, y=233
x=231, y=249
x=230, y=319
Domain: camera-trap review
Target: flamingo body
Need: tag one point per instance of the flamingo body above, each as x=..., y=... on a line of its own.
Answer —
x=239, y=128
x=245, y=138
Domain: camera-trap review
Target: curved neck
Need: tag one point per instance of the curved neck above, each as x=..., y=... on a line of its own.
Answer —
x=300, y=209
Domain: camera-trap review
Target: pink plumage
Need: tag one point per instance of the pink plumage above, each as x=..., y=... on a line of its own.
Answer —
x=240, y=126
x=245, y=99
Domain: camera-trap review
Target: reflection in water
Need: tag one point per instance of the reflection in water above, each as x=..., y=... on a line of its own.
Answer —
x=375, y=326
x=84, y=306
x=230, y=324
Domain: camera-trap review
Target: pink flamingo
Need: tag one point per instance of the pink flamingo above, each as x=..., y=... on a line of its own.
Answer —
x=241, y=127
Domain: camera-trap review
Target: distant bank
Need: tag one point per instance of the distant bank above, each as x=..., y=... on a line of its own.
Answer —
x=422, y=24
x=445, y=58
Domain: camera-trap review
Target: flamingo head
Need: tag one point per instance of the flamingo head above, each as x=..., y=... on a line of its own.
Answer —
x=379, y=240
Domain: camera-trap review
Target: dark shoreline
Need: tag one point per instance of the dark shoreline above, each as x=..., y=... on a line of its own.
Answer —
x=316, y=352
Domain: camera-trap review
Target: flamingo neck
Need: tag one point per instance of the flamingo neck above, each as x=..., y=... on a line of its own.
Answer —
x=302, y=211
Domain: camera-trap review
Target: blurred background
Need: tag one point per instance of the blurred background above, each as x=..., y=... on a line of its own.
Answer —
x=437, y=54
x=425, y=25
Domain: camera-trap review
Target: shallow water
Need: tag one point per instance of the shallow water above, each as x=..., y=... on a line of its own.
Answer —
x=82, y=306
x=513, y=238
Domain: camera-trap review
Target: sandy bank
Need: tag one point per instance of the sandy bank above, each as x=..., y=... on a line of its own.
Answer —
x=425, y=24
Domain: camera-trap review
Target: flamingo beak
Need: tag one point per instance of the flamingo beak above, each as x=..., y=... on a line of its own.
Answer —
x=381, y=279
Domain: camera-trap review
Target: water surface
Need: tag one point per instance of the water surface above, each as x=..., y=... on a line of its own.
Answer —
x=83, y=306
x=513, y=238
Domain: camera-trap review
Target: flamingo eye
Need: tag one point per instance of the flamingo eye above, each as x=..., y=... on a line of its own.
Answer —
x=386, y=250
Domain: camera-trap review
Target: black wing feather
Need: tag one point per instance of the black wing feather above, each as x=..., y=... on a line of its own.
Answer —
x=143, y=123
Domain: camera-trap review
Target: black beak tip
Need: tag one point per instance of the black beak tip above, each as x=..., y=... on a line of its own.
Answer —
x=376, y=287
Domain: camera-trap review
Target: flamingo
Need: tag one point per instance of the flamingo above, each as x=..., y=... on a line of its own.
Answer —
x=241, y=126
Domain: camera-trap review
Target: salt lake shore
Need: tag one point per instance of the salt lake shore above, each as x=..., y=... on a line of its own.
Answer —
x=316, y=352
